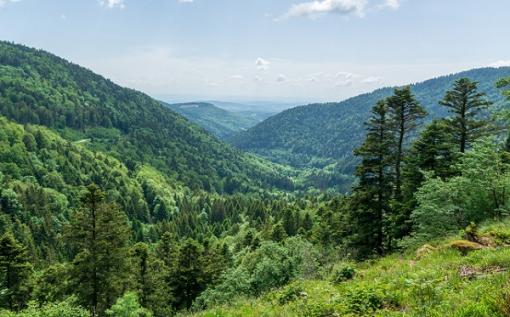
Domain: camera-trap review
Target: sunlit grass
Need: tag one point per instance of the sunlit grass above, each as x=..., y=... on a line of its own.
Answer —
x=398, y=285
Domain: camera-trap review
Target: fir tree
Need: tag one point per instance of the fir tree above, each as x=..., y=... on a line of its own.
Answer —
x=370, y=202
x=405, y=114
x=188, y=277
x=278, y=234
x=15, y=274
x=433, y=152
x=466, y=105
x=99, y=232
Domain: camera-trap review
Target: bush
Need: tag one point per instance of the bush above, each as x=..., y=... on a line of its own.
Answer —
x=128, y=306
x=342, y=274
x=291, y=293
x=67, y=308
x=363, y=301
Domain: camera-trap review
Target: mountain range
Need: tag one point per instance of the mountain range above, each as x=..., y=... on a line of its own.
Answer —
x=220, y=122
x=325, y=135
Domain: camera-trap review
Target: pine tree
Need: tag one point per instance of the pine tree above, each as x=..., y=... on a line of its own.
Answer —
x=466, y=105
x=370, y=201
x=150, y=276
x=278, y=234
x=434, y=152
x=15, y=274
x=307, y=222
x=405, y=114
x=167, y=249
x=99, y=232
x=188, y=279
x=290, y=222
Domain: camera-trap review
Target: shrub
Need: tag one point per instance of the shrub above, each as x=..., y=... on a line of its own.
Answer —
x=363, y=301
x=67, y=308
x=342, y=274
x=291, y=293
x=128, y=306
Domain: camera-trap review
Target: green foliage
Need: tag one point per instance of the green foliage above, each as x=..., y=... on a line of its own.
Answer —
x=67, y=308
x=270, y=266
x=39, y=88
x=363, y=301
x=99, y=233
x=479, y=193
x=466, y=104
x=317, y=135
x=128, y=306
x=15, y=274
x=370, y=202
x=342, y=273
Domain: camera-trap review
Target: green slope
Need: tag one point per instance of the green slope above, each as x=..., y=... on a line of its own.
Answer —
x=220, y=122
x=317, y=135
x=435, y=280
x=39, y=88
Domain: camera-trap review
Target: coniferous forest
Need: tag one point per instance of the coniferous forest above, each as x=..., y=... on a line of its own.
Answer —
x=111, y=204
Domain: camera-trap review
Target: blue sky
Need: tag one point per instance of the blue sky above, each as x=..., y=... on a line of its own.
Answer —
x=284, y=50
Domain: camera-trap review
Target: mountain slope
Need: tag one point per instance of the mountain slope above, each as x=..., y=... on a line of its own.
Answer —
x=436, y=280
x=219, y=122
x=39, y=88
x=320, y=134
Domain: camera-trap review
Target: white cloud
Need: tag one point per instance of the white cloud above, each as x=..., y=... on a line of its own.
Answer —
x=345, y=75
x=343, y=83
x=392, y=4
x=281, y=78
x=371, y=80
x=262, y=64
x=185, y=1
x=500, y=63
x=6, y=2
x=237, y=77
x=112, y=4
x=314, y=8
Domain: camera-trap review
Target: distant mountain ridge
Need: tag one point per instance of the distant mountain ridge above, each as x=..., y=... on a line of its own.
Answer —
x=220, y=122
x=39, y=88
x=318, y=135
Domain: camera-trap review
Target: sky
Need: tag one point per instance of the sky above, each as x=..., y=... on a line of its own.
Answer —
x=274, y=50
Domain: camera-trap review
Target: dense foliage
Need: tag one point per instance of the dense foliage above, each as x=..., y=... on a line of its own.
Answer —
x=105, y=226
x=320, y=135
x=39, y=88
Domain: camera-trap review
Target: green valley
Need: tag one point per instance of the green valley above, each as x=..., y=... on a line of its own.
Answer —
x=220, y=122
x=390, y=203
x=325, y=135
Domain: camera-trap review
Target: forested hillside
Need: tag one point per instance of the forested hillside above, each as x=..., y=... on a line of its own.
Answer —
x=112, y=205
x=220, y=122
x=318, y=135
x=39, y=88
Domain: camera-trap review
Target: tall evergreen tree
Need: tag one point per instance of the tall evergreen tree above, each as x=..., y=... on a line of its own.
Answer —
x=150, y=276
x=466, y=105
x=505, y=84
x=99, y=232
x=370, y=202
x=406, y=112
x=434, y=152
x=15, y=274
x=188, y=279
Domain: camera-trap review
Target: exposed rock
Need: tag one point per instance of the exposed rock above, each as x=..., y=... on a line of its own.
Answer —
x=465, y=246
